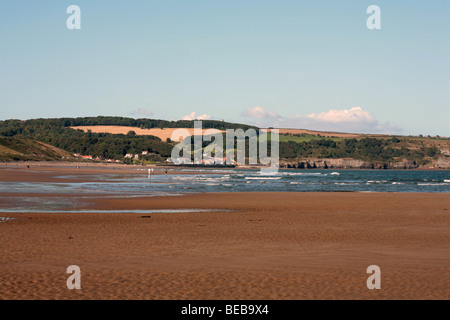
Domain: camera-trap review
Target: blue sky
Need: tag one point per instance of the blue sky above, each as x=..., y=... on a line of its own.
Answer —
x=305, y=64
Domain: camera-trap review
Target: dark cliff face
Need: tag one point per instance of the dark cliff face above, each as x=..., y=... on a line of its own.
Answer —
x=347, y=163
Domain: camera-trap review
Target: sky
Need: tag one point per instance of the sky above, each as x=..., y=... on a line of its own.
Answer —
x=281, y=63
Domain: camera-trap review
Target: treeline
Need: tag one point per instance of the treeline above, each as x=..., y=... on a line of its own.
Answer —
x=366, y=149
x=57, y=132
x=105, y=145
x=14, y=127
x=108, y=146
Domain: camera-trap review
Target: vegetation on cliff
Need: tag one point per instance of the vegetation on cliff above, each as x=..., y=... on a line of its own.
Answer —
x=366, y=149
x=15, y=149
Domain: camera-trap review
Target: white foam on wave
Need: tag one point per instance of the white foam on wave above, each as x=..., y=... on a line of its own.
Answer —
x=262, y=178
x=183, y=178
x=269, y=172
x=335, y=174
x=448, y=181
x=224, y=171
x=346, y=183
x=302, y=173
x=395, y=182
x=432, y=184
x=213, y=179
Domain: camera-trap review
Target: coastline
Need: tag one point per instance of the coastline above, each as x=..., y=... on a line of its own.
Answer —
x=71, y=164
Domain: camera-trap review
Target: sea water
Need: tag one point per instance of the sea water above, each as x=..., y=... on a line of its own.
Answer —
x=235, y=180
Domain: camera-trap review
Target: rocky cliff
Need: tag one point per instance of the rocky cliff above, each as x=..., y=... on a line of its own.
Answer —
x=348, y=163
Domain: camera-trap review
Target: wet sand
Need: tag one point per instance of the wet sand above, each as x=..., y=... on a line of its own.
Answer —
x=76, y=172
x=272, y=246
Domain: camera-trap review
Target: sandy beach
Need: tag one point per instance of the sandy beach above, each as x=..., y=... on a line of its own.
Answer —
x=255, y=246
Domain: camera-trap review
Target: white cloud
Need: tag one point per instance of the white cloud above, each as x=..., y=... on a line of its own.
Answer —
x=141, y=112
x=345, y=120
x=356, y=114
x=193, y=116
x=259, y=113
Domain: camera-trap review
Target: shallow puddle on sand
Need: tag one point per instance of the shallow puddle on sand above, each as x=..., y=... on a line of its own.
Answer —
x=6, y=219
x=140, y=211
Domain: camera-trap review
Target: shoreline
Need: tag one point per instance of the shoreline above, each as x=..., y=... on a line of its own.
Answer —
x=107, y=174
x=69, y=164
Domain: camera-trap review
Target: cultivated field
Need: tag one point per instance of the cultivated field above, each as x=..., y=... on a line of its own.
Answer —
x=163, y=134
x=321, y=133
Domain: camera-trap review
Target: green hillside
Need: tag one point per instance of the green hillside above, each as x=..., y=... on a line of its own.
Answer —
x=57, y=132
x=15, y=149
